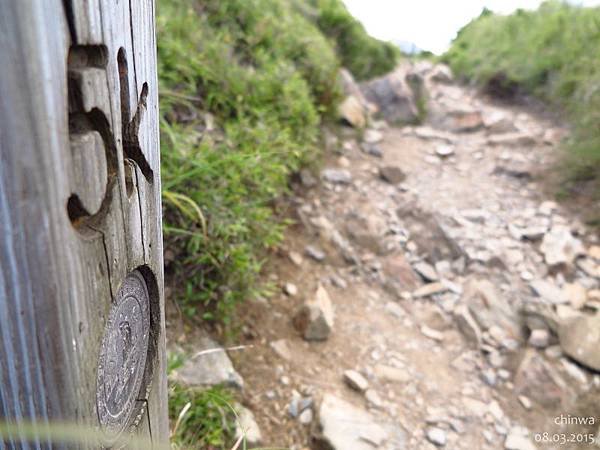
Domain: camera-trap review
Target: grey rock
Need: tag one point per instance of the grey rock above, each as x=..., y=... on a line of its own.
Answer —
x=393, y=96
x=517, y=441
x=353, y=112
x=307, y=178
x=337, y=176
x=315, y=253
x=430, y=289
x=209, y=367
x=282, y=348
x=579, y=338
x=392, y=174
x=427, y=232
x=246, y=426
x=372, y=149
x=436, y=436
x=539, y=338
x=560, y=247
x=306, y=417
x=489, y=308
x=489, y=377
x=290, y=289
x=355, y=380
x=373, y=398
x=499, y=122
x=344, y=426
x=548, y=291
x=315, y=318
x=517, y=139
x=372, y=136
x=426, y=271
x=538, y=380
x=441, y=73
x=467, y=325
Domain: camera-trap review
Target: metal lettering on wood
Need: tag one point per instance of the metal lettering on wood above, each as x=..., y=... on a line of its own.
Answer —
x=81, y=271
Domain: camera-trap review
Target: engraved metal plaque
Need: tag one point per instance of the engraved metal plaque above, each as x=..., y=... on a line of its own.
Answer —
x=122, y=359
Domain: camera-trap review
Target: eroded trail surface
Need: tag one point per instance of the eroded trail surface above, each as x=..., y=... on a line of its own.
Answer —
x=464, y=302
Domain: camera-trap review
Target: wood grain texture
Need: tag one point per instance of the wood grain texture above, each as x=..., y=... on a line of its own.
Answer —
x=72, y=226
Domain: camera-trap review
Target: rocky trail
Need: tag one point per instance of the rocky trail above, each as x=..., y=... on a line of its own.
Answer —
x=429, y=295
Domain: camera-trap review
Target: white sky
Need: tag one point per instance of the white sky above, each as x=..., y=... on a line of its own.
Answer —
x=430, y=24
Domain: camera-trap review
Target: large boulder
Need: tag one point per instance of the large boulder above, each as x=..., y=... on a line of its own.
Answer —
x=351, y=88
x=393, y=96
x=580, y=339
x=353, y=112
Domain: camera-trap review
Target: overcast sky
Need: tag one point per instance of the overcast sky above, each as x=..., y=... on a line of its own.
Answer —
x=430, y=24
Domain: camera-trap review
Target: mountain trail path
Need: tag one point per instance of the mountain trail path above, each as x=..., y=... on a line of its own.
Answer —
x=425, y=296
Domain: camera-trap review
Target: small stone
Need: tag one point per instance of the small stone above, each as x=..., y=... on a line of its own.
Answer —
x=337, y=176
x=392, y=174
x=395, y=309
x=296, y=258
x=436, y=436
x=355, y=380
x=539, y=338
x=306, y=417
x=426, y=271
x=373, y=398
x=576, y=294
x=489, y=377
x=315, y=318
x=431, y=333
x=444, y=151
x=594, y=252
x=516, y=441
x=372, y=149
x=560, y=247
x=430, y=289
x=315, y=253
x=247, y=427
x=282, y=348
x=209, y=367
x=393, y=374
x=372, y=136
x=346, y=427
x=525, y=402
x=338, y=282
x=467, y=325
x=589, y=267
x=290, y=289
x=547, y=208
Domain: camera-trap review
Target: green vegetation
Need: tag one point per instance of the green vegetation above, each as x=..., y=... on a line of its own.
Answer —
x=365, y=56
x=244, y=88
x=552, y=53
x=204, y=418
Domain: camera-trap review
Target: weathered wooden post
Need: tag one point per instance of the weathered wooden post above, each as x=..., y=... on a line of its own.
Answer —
x=81, y=269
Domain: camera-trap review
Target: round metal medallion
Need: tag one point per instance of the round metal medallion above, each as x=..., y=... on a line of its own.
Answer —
x=123, y=356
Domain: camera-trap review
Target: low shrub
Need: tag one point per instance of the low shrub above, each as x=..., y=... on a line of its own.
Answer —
x=551, y=52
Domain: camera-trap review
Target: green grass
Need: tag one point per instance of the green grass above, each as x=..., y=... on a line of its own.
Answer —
x=552, y=53
x=365, y=56
x=205, y=419
x=266, y=75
